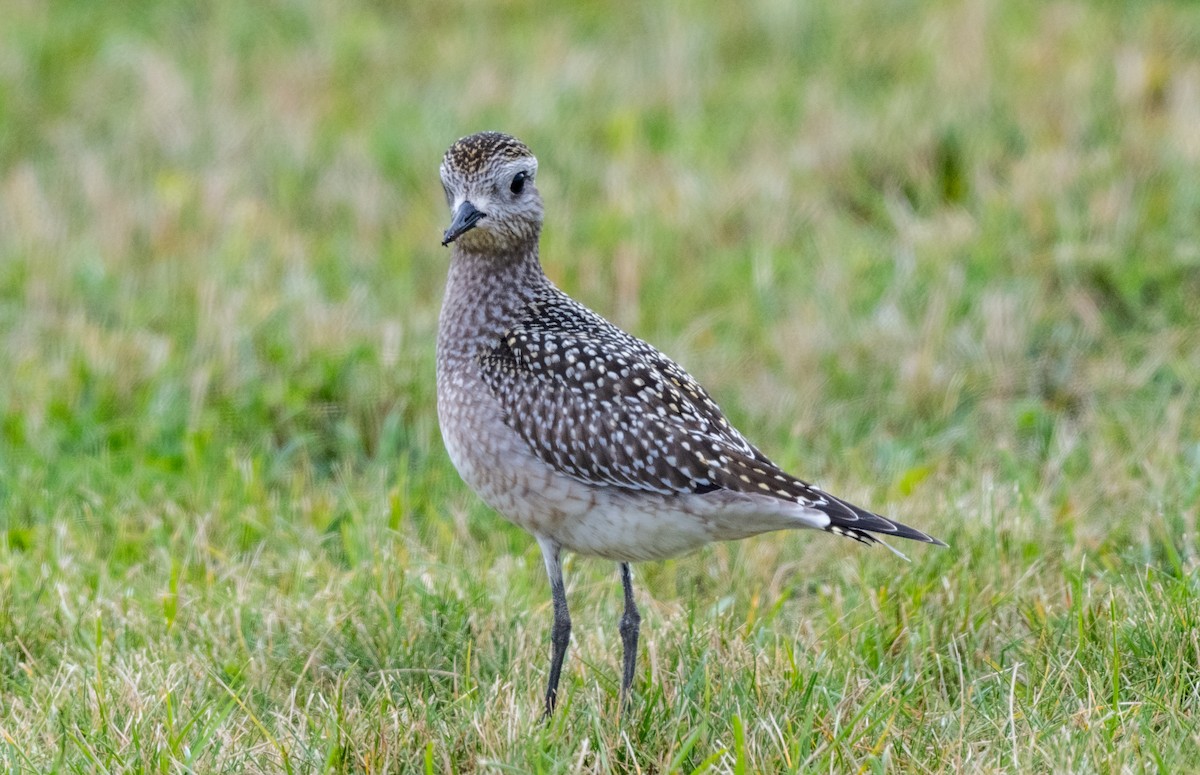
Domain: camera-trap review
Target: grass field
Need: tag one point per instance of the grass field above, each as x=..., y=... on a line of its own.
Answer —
x=941, y=257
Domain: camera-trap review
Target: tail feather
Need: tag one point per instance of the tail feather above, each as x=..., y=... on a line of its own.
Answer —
x=759, y=476
x=846, y=519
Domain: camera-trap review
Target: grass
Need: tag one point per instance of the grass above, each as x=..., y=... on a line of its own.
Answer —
x=941, y=257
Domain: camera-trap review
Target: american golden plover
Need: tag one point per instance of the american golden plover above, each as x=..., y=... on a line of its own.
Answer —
x=585, y=436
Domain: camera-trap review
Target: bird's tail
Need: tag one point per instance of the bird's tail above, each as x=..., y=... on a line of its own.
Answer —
x=846, y=519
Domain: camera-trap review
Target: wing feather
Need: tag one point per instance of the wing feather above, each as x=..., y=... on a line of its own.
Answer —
x=610, y=410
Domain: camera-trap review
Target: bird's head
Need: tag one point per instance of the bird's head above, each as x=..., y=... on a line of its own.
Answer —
x=489, y=182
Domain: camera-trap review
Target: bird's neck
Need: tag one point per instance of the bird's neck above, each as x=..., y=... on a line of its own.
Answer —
x=485, y=294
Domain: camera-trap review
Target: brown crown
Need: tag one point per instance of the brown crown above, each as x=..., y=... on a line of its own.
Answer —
x=469, y=154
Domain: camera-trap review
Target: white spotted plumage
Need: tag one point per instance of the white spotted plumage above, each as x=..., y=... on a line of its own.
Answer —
x=582, y=434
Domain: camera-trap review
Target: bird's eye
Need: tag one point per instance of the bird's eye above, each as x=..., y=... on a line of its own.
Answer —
x=518, y=183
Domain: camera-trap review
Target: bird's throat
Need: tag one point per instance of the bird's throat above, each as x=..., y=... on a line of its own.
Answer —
x=485, y=294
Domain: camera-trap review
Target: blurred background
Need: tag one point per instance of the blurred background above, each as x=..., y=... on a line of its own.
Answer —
x=941, y=257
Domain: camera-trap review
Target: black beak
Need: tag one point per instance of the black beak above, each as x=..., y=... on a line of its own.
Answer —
x=465, y=218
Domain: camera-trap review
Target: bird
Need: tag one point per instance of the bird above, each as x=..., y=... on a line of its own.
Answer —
x=585, y=436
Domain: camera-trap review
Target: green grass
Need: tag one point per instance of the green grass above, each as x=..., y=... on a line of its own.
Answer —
x=944, y=258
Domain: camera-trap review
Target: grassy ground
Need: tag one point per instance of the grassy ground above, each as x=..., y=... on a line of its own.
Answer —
x=942, y=257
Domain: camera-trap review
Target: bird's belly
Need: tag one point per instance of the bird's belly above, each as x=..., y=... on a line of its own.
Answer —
x=605, y=522
x=499, y=466
x=602, y=522
x=649, y=529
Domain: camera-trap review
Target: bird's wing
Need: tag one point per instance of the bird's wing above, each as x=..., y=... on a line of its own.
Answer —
x=608, y=409
x=604, y=406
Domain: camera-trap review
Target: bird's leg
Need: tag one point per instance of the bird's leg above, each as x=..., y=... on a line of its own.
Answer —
x=560, y=636
x=630, y=622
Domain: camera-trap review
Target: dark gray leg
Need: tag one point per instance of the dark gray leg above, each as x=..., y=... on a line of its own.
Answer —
x=630, y=622
x=560, y=636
